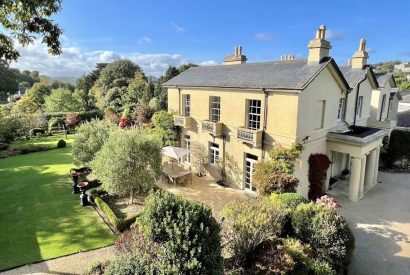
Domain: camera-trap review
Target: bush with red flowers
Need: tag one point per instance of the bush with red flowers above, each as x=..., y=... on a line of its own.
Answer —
x=125, y=122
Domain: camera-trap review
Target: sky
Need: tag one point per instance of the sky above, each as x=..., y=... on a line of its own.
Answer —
x=156, y=34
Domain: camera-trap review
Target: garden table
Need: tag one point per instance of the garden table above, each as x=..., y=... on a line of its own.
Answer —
x=176, y=175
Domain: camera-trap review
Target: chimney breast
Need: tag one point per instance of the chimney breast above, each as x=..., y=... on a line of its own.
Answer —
x=360, y=57
x=236, y=58
x=319, y=47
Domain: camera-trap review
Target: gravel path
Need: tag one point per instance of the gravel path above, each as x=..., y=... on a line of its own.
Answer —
x=72, y=264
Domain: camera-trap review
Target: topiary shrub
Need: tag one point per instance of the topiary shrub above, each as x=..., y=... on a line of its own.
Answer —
x=326, y=231
x=318, y=165
x=61, y=144
x=186, y=230
x=249, y=222
x=106, y=209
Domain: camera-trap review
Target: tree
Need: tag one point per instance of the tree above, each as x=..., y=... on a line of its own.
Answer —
x=129, y=162
x=87, y=81
x=25, y=105
x=39, y=92
x=163, y=123
x=89, y=139
x=8, y=81
x=63, y=100
x=25, y=84
x=24, y=20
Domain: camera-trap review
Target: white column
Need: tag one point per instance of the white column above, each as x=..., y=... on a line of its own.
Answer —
x=371, y=163
x=376, y=167
x=354, y=183
x=362, y=174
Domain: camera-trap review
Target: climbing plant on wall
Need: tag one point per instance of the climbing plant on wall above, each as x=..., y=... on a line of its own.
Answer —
x=318, y=165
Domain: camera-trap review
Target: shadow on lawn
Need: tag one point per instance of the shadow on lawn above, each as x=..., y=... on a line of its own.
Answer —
x=39, y=217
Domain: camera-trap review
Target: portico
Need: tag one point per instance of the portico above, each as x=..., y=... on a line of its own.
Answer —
x=362, y=147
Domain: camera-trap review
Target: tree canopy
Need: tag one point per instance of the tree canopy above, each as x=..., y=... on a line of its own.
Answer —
x=38, y=92
x=63, y=100
x=24, y=20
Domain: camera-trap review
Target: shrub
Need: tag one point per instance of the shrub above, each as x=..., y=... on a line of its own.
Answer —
x=270, y=258
x=327, y=202
x=83, y=116
x=55, y=121
x=30, y=148
x=276, y=174
x=249, y=222
x=318, y=165
x=89, y=139
x=186, y=230
x=106, y=209
x=164, y=125
x=304, y=262
x=288, y=200
x=61, y=144
x=125, y=122
x=326, y=231
x=399, y=148
x=72, y=120
x=128, y=264
x=37, y=131
x=111, y=116
x=129, y=162
x=97, y=268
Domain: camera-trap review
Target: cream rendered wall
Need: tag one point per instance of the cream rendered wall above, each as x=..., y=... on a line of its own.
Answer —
x=323, y=87
x=173, y=100
x=365, y=91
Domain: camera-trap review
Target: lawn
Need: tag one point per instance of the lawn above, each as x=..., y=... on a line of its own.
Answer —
x=49, y=142
x=39, y=217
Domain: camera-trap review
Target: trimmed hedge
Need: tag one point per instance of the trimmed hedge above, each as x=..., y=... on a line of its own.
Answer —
x=83, y=116
x=35, y=131
x=61, y=144
x=106, y=209
x=118, y=223
x=288, y=200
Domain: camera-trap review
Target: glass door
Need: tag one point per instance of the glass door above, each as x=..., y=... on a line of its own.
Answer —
x=250, y=161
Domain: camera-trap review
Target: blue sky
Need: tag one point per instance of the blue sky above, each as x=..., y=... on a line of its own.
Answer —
x=157, y=34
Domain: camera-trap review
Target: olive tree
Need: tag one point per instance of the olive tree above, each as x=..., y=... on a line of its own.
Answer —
x=129, y=162
x=89, y=139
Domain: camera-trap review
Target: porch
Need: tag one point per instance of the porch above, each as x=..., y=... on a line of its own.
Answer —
x=355, y=160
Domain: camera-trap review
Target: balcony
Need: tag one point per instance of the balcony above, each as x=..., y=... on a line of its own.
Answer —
x=183, y=121
x=253, y=137
x=214, y=128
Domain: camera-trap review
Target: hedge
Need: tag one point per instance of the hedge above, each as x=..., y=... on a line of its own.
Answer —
x=83, y=116
x=399, y=147
x=106, y=209
x=118, y=223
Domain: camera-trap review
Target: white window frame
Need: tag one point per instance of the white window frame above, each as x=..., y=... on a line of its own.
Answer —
x=248, y=172
x=253, y=114
x=186, y=100
x=187, y=145
x=340, y=109
x=214, y=153
x=359, y=107
x=215, y=108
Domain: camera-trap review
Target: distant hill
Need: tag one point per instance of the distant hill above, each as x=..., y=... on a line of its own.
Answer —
x=66, y=79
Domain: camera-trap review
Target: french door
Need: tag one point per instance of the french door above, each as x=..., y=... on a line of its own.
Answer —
x=250, y=161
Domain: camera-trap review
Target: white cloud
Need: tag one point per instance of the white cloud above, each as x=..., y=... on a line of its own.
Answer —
x=263, y=36
x=177, y=27
x=209, y=63
x=145, y=40
x=334, y=35
x=75, y=62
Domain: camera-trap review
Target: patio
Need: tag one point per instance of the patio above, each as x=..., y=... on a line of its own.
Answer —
x=205, y=190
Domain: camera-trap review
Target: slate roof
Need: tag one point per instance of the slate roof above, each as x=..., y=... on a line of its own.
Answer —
x=292, y=75
x=352, y=75
x=382, y=79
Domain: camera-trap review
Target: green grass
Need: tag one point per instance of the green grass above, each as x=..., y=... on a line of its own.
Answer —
x=50, y=142
x=39, y=217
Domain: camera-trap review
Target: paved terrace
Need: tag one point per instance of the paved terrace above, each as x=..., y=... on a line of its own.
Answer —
x=205, y=190
x=381, y=226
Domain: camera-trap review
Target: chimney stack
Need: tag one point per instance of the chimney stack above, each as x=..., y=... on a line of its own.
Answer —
x=287, y=57
x=236, y=58
x=319, y=47
x=360, y=57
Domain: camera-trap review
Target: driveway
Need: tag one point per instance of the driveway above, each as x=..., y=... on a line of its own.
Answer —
x=381, y=226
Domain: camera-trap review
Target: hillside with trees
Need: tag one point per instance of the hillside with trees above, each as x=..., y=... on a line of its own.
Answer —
x=388, y=67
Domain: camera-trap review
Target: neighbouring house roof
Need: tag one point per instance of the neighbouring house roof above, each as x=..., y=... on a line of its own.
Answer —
x=292, y=75
x=383, y=79
x=353, y=75
x=22, y=90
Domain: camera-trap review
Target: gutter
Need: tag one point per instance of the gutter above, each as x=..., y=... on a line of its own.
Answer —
x=357, y=94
